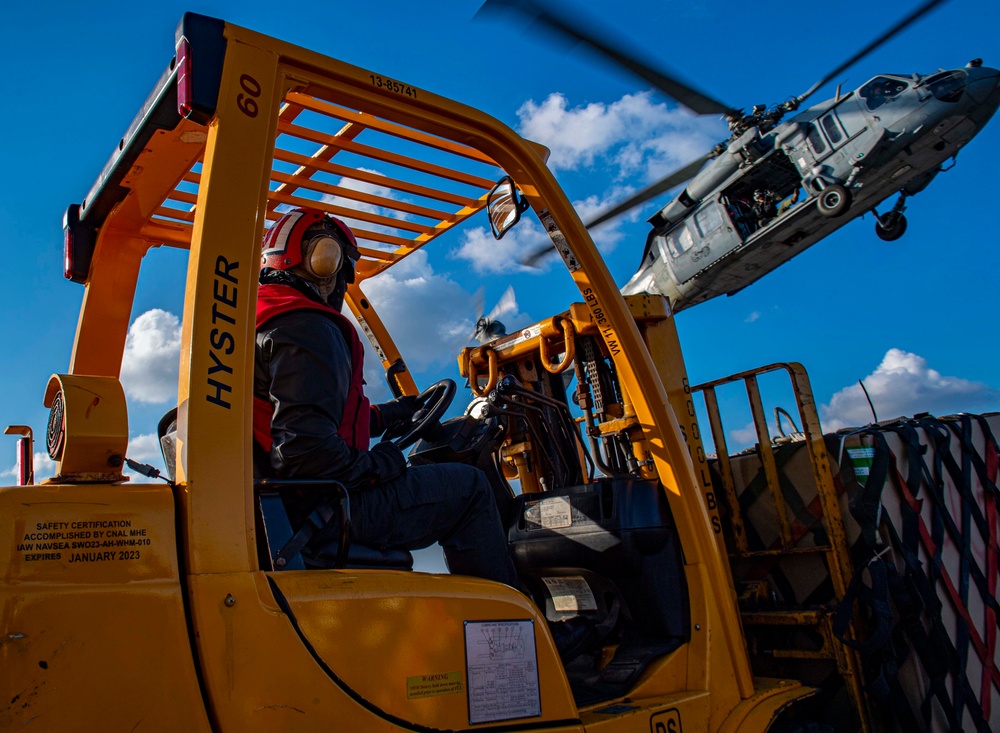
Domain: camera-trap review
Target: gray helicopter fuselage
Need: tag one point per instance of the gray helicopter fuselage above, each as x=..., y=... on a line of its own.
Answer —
x=891, y=135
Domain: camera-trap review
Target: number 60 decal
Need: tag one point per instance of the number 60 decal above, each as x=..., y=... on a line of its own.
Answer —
x=248, y=102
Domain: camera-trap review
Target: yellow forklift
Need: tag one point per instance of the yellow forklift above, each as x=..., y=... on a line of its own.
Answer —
x=172, y=606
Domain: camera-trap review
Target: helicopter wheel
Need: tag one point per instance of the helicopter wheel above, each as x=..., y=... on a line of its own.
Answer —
x=892, y=228
x=834, y=200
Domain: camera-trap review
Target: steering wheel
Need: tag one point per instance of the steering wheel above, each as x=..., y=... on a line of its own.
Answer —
x=432, y=403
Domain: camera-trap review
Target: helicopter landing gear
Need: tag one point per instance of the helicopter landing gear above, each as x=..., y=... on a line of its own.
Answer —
x=892, y=225
x=834, y=200
x=893, y=228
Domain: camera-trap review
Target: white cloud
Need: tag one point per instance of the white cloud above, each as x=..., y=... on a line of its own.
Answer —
x=752, y=317
x=668, y=151
x=573, y=136
x=902, y=385
x=488, y=255
x=634, y=133
x=144, y=449
x=741, y=438
x=44, y=467
x=429, y=315
x=152, y=357
x=607, y=235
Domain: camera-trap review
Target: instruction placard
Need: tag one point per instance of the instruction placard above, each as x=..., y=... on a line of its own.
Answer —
x=556, y=512
x=570, y=594
x=502, y=670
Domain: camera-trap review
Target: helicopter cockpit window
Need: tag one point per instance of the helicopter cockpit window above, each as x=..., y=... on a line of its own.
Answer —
x=679, y=241
x=948, y=85
x=880, y=90
x=816, y=141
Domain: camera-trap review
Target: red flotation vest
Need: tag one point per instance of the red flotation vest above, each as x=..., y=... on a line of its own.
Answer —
x=273, y=300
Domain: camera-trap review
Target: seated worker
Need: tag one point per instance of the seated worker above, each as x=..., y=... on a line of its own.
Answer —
x=313, y=421
x=766, y=207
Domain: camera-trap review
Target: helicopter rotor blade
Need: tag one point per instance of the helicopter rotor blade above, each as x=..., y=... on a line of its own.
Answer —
x=664, y=184
x=900, y=26
x=537, y=255
x=478, y=302
x=684, y=94
x=506, y=304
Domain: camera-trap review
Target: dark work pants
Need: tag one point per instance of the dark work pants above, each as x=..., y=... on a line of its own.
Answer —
x=449, y=503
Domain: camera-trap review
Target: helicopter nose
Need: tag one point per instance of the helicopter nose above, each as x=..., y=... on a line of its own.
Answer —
x=984, y=85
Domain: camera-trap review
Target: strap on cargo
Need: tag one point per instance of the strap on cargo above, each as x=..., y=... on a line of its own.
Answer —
x=909, y=595
x=875, y=598
x=966, y=634
x=912, y=594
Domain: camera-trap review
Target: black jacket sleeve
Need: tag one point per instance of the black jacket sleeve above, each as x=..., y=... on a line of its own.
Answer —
x=303, y=367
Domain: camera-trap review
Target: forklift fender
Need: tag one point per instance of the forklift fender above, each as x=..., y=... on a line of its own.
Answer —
x=757, y=713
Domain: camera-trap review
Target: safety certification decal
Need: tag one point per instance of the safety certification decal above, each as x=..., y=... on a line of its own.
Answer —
x=570, y=594
x=502, y=670
x=83, y=541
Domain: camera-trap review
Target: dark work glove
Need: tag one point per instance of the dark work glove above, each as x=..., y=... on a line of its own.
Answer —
x=397, y=412
x=388, y=461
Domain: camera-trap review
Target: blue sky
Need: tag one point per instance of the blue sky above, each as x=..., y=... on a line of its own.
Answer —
x=915, y=318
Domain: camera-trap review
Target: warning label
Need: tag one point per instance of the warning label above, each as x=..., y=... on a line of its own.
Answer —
x=371, y=337
x=559, y=241
x=520, y=337
x=431, y=685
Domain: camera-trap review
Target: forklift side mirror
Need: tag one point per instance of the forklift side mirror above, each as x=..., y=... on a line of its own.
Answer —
x=504, y=206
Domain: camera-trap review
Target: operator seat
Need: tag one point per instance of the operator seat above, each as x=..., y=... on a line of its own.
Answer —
x=274, y=530
x=285, y=550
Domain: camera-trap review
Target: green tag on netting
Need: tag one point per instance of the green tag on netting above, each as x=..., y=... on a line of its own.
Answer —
x=862, y=459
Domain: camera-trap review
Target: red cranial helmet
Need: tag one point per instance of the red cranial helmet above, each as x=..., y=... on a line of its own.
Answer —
x=311, y=238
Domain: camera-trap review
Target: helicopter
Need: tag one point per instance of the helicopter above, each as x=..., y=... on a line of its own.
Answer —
x=782, y=182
